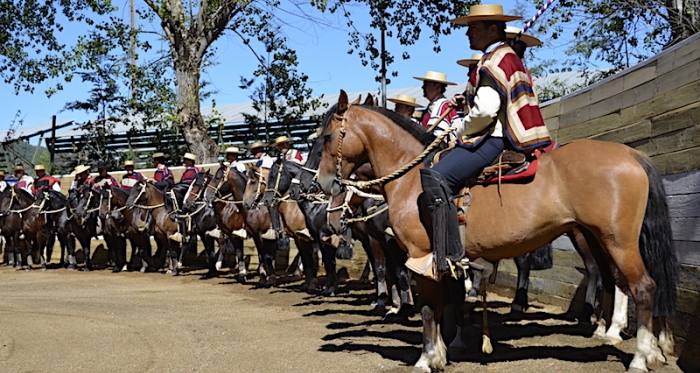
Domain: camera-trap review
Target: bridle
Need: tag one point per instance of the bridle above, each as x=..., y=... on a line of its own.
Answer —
x=142, y=189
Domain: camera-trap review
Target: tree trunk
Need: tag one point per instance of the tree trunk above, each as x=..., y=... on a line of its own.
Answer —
x=683, y=18
x=190, y=119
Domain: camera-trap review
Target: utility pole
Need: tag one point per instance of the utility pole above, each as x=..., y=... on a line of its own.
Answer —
x=383, y=57
x=53, y=144
x=133, y=48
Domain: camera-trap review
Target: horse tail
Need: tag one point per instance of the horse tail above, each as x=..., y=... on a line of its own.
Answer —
x=656, y=244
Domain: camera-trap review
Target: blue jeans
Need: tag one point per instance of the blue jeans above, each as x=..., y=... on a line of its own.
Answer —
x=462, y=164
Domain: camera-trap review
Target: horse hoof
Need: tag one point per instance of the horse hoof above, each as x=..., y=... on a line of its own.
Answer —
x=86, y=269
x=143, y=270
x=71, y=268
x=240, y=279
x=379, y=310
x=43, y=269
x=330, y=292
x=259, y=285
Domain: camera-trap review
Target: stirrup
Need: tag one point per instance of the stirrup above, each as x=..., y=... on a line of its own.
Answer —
x=271, y=234
x=215, y=233
x=389, y=232
x=177, y=237
x=304, y=233
x=242, y=233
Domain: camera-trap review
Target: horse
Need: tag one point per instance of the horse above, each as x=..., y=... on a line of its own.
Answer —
x=610, y=191
x=366, y=214
x=293, y=219
x=200, y=218
x=232, y=183
x=229, y=218
x=83, y=225
x=23, y=224
x=55, y=211
x=149, y=211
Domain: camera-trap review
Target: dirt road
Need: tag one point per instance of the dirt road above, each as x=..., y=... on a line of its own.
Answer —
x=71, y=321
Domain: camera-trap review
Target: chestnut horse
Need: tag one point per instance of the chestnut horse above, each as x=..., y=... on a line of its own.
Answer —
x=612, y=192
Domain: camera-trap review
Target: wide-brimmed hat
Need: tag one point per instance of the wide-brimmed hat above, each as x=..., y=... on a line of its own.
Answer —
x=485, y=12
x=476, y=57
x=257, y=144
x=159, y=155
x=529, y=40
x=79, y=169
x=405, y=99
x=190, y=156
x=102, y=165
x=19, y=167
x=433, y=76
x=128, y=163
x=39, y=167
x=234, y=150
x=281, y=140
x=2, y=173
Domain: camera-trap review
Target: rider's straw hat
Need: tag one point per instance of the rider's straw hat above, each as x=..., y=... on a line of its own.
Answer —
x=79, y=169
x=529, y=40
x=128, y=163
x=281, y=140
x=39, y=167
x=257, y=144
x=485, y=12
x=476, y=57
x=2, y=173
x=405, y=99
x=190, y=156
x=433, y=76
x=234, y=150
x=159, y=155
x=19, y=167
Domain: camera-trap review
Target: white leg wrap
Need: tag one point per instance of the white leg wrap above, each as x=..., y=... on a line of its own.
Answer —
x=619, y=318
x=644, y=349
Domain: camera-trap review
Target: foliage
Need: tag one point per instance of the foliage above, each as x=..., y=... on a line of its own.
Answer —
x=620, y=33
x=282, y=95
x=404, y=20
x=30, y=52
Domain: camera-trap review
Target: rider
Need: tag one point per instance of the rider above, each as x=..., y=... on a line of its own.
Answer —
x=405, y=105
x=44, y=181
x=24, y=181
x=290, y=154
x=162, y=177
x=3, y=183
x=493, y=124
x=82, y=177
x=471, y=64
x=103, y=178
x=434, y=86
x=191, y=170
x=232, y=154
x=131, y=177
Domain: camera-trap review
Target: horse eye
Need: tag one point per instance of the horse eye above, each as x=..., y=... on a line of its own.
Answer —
x=327, y=138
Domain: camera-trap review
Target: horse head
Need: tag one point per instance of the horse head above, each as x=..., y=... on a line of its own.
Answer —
x=216, y=184
x=137, y=195
x=255, y=187
x=196, y=190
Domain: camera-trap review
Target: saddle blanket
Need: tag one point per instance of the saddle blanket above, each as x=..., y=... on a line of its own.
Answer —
x=525, y=171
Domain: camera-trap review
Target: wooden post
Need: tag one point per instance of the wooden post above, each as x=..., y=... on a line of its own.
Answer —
x=53, y=144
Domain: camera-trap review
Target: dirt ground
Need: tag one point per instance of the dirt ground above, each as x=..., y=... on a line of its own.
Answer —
x=73, y=321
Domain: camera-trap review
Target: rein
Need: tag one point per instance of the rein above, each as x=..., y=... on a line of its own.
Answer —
x=21, y=211
x=390, y=177
x=145, y=207
x=223, y=199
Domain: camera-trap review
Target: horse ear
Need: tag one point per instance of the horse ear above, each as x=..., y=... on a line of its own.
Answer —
x=356, y=101
x=342, y=103
x=376, y=101
x=369, y=100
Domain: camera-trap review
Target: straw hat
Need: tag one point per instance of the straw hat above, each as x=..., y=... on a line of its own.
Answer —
x=476, y=57
x=190, y=156
x=159, y=155
x=406, y=100
x=437, y=77
x=281, y=140
x=79, y=169
x=234, y=150
x=19, y=167
x=257, y=144
x=485, y=12
x=2, y=173
x=529, y=40
x=128, y=163
x=39, y=167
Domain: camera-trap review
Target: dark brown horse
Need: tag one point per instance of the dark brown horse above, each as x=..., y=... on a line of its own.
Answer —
x=23, y=224
x=257, y=221
x=83, y=224
x=55, y=210
x=151, y=216
x=612, y=192
x=229, y=217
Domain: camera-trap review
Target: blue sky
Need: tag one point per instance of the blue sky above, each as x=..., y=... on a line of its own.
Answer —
x=322, y=53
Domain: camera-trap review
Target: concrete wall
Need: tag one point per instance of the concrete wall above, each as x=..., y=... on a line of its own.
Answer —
x=653, y=107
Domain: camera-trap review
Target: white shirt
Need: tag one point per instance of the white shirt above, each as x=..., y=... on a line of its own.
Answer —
x=240, y=167
x=3, y=185
x=488, y=106
x=28, y=181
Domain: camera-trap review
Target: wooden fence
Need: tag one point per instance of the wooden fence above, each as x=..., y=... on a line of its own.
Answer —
x=653, y=107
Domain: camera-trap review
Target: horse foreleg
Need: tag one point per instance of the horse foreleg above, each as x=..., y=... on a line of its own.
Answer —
x=486, y=346
x=240, y=257
x=434, y=352
x=331, y=274
x=306, y=252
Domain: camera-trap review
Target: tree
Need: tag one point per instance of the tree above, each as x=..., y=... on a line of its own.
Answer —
x=621, y=33
x=404, y=20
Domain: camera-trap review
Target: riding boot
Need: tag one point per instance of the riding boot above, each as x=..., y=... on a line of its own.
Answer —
x=442, y=224
x=276, y=221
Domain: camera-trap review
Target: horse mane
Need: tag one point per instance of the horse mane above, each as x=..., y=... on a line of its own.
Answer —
x=58, y=195
x=415, y=129
x=24, y=193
